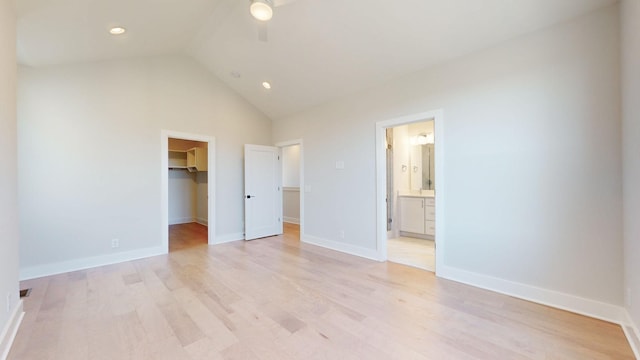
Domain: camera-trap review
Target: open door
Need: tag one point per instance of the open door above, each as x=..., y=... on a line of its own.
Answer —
x=262, y=191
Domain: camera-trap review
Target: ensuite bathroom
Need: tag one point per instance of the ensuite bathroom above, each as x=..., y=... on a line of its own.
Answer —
x=411, y=195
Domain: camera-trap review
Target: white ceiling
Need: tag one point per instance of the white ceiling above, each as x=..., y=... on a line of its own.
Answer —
x=317, y=50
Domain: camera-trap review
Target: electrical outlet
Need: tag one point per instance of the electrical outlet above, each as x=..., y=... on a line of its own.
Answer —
x=115, y=243
x=341, y=234
x=8, y=302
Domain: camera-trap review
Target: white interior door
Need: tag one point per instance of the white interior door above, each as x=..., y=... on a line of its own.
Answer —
x=262, y=191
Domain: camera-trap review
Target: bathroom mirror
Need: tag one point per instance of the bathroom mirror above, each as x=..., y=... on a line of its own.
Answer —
x=421, y=155
x=422, y=167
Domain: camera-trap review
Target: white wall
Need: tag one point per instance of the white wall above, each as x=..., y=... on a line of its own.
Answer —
x=291, y=205
x=532, y=158
x=630, y=11
x=8, y=174
x=291, y=166
x=90, y=150
x=401, y=178
x=401, y=159
x=183, y=197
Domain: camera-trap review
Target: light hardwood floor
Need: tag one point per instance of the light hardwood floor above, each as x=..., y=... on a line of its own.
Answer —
x=276, y=298
x=414, y=252
x=185, y=236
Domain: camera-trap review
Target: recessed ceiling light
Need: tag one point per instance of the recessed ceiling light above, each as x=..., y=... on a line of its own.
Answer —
x=261, y=9
x=117, y=30
x=266, y=85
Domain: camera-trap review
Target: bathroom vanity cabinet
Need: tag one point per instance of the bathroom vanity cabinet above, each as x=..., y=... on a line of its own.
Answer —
x=417, y=215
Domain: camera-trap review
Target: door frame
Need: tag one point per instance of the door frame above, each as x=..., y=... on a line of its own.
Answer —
x=299, y=142
x=164, y=182
x=381, y=181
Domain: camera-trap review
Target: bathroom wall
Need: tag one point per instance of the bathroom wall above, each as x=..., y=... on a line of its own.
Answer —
x=401, y=181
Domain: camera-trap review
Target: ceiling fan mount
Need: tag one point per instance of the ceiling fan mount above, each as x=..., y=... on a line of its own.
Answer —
x=262, y=10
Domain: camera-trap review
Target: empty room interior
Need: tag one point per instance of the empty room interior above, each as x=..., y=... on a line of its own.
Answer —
x=306, y=179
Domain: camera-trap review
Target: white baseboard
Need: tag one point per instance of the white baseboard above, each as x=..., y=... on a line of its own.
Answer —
x=223, y=239
x=10, y=330
x=576, y=304
x=178, y=221
x=202, y=221
x=633, y=334
x=291, y=220
x=342, y=247
x=37, y=271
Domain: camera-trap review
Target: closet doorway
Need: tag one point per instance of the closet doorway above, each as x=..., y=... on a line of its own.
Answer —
x=187, y=201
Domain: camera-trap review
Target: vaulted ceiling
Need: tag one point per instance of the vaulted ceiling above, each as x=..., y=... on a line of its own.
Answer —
x=317, y=50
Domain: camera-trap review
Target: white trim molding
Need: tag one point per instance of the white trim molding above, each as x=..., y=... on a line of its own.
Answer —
x=371, y=254
x=576, y=304
x=10, y=330
x=38, y=271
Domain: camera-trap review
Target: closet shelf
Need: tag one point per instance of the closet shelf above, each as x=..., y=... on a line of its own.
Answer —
x=193, y=160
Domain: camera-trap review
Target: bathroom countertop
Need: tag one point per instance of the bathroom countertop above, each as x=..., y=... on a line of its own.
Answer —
x=421, y=194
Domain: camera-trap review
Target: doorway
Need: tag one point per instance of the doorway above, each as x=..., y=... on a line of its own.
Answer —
x=188, y=193
x=409, y=171
x=292, y=188
x=188, y=174
x=410, y=195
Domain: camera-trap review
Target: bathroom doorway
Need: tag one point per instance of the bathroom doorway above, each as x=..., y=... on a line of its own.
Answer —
x=410, y=195
x=408, y=164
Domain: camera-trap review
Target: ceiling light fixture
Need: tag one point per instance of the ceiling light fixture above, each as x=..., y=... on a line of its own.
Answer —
x=266, y=85
x=117, y=30
x=261, y=9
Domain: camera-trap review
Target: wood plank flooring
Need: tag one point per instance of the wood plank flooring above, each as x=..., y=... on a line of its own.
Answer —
x=276, y=298
x=188, y=235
